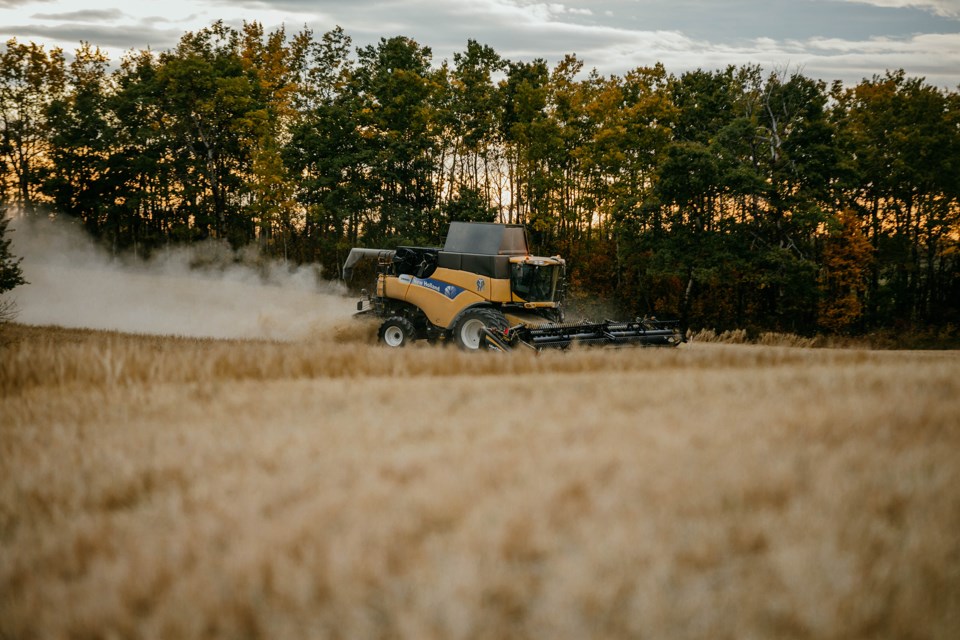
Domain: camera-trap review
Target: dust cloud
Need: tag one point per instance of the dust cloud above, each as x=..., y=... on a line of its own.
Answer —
x=203, y=291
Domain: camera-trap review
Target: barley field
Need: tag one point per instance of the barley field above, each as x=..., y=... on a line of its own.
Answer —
x=158, y=487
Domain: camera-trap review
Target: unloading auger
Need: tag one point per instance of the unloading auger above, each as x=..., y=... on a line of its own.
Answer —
x=484, y=289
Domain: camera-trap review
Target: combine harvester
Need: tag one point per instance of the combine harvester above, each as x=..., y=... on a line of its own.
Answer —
x=485, y=290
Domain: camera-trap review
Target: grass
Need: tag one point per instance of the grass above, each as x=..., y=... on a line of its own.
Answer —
x=330, y=488
x=914, y=338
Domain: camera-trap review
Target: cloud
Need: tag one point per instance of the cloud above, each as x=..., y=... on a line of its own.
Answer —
x=933, y=56
x=944, y=8
x=13, y=4
x=89, y=15
x=526, y=31
x=829, y=39
x=129, y=37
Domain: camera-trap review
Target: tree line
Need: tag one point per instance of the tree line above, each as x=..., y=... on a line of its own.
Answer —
x=733, y=198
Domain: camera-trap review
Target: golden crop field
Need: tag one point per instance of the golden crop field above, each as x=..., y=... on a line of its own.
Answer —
x=331, y=488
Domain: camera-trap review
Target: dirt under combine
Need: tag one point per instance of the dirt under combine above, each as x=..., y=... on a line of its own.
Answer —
x=483, y=289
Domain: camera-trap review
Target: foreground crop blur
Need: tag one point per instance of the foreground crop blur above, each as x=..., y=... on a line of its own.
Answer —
x=156, y=487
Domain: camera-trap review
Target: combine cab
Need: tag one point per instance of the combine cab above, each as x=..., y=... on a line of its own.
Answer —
x=485, y=290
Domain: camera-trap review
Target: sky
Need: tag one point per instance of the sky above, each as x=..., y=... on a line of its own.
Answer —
x=845, y=40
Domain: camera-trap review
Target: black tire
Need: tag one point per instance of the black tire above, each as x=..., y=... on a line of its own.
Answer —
x=397, y=331
x=466, y=331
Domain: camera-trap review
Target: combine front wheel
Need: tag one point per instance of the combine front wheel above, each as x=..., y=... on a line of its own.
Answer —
x=397, y=331
x=468, y=330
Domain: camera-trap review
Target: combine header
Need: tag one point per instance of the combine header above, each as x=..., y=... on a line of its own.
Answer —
x=642, y=332
x=485, y=290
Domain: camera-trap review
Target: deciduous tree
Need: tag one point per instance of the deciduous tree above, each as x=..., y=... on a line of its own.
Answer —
x=31, y=79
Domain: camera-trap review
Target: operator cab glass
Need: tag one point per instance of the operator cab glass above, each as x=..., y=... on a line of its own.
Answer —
x=535, y=283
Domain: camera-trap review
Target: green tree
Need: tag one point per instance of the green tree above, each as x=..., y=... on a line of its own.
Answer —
x=798, y=166
x=524, y=93
x=10, y=273
x=81, y=139
x=328, y=154
x=471, y=125
x=899, y=139
x=214, y=116
x=469, y=205
x=275, y=68
x=395, y=87
x=31, y=78
x=142, y=166
x=689, y=256
x=633, y=117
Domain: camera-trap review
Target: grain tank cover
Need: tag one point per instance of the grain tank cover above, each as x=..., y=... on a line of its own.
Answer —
x=486, y=238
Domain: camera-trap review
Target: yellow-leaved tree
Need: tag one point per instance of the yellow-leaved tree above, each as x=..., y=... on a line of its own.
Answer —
x=847, y=255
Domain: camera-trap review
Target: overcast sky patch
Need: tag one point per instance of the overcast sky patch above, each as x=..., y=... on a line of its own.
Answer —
x=944, y=8
x=829, y=39
x=89, y=15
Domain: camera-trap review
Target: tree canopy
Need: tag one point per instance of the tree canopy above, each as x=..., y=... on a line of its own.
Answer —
x=730, y=198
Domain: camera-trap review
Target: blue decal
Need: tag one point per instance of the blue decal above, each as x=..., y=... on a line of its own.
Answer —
x=443, y=288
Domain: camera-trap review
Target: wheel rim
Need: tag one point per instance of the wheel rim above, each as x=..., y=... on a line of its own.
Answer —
x=470, y=333
x=393, y=336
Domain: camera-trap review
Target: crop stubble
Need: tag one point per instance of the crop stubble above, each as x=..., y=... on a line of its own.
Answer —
x=155, y=487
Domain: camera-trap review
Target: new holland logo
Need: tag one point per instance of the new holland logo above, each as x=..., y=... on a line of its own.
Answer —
x=449, y=290
x=480, y=284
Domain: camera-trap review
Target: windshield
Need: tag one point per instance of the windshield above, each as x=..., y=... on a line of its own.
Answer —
x=534, y=283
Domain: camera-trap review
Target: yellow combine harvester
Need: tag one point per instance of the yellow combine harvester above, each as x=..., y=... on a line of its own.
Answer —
x=485, y=290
